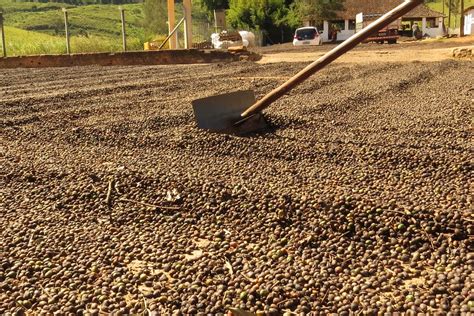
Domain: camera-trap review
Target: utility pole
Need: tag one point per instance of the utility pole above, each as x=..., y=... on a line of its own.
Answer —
x=450, y=3
x=444, y=15
x=66, y=28
x=124, y=34
x=461, y=33
x=4, y=47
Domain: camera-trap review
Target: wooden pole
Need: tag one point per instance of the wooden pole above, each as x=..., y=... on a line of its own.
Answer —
x=4, y=47
x=444, y=16
x=171, y=24
x=124, y=34
x=449, y=14
x=66, y=28
x=188, y=29
x=461, y=33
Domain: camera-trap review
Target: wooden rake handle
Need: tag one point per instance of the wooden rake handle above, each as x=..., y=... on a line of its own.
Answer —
x=332, y=55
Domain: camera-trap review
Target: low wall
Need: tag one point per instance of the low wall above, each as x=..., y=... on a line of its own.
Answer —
x=165, y=57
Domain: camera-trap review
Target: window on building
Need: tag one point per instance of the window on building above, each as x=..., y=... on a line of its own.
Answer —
x=338, y=24
x=319, y=26
x=352, y=24
x=432, y=22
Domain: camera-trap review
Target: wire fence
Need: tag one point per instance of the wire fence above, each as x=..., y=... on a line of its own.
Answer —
x=62, y=31
x=71, y=32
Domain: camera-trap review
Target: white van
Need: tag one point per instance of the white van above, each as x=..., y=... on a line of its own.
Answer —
x=307, y=36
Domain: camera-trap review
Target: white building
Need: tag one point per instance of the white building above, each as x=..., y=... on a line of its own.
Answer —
x=431, y=22
x=469, y=21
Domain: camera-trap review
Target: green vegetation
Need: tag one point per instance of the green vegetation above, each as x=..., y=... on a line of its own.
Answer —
x=214, y=4
x=437, y=5
x=278, y=18
x=34, y=43
x=320, y=10
x=155, y=16
x=38, y=28
x=271, y=16
x=99, y=20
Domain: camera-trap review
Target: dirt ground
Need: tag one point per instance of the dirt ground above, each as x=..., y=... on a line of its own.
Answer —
x=111, y=200
x=430, y=50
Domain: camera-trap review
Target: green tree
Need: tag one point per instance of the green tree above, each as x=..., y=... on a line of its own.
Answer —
x=318, y=10
x=455, y=6
x=156, y=16
x=211, y=5
x=275, y=18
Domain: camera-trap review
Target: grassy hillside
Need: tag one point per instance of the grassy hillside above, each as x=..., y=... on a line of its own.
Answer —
x=23, y=42
x=38, y=28
x=100, y=20
x=32, y=42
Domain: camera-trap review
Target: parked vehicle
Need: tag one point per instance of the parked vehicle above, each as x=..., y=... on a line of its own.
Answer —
x=307, y=36
x=388, y=34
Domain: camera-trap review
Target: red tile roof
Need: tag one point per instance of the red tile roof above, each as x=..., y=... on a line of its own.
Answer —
x=353, y=7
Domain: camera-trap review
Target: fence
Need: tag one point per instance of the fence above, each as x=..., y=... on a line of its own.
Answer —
x=58, y=35
x=100, y=28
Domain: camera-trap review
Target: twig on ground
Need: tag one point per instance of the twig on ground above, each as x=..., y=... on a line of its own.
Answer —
x=247, y=278
x=146, y=305
x=116, y=188
x=398, y=212
x=45, y=292
x=228, y=265
x=429, y=238
x=284, y=301
x=223, y=299
x=175, y=208
x=108, y=199
x=324, y=297
x=391, y=271
x=30, y=241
